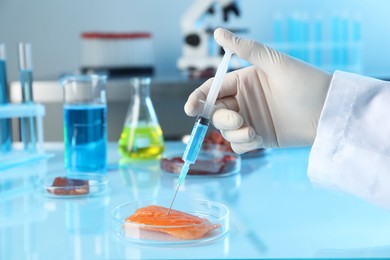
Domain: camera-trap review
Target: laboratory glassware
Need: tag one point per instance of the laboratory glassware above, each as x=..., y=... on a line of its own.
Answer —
x=142, y=136
x=27, y=125
x=202, y=122
x=211, y=161
x=85, y=184
x=85, y=130
x=215, y=218
x=5, y=124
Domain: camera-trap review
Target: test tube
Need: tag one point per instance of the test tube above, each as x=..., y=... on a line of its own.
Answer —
x=5, y=124
x=304, y=37
x=25, y=76
x=336, y=41
x=317, y=39
x=344, y=41
x=356, y=52
x=278, y=29
x=292, y=35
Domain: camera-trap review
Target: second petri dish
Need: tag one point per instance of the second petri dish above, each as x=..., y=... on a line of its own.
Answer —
x=210, y=162
x=73, y=186
x=214, y=222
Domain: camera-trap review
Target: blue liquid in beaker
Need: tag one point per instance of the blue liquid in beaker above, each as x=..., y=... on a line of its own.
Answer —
x=85, y=138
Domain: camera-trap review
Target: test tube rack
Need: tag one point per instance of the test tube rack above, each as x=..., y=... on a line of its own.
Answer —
x=17, y=111
x=331, y=43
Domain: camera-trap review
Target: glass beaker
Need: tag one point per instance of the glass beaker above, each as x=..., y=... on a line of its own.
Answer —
x=141, y=137
x=85, y=131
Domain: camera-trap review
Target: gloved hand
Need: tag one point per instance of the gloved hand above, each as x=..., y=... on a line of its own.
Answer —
x=276, y=102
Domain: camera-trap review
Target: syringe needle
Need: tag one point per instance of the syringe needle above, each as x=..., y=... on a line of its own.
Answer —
x=174, y=196
x=183, y=173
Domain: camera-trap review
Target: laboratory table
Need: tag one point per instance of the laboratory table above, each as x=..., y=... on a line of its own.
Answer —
x=275, y=212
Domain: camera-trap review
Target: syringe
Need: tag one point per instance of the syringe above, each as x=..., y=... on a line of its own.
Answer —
x=202, y=122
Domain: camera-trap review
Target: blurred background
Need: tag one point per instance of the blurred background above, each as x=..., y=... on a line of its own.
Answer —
x=71, y=37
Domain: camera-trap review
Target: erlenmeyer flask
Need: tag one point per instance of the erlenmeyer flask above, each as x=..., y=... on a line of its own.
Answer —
x=141, y=137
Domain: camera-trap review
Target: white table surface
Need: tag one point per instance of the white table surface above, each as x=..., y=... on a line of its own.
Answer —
x=275, y=212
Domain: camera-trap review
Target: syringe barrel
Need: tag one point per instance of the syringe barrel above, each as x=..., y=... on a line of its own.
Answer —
x=196, y=139
x=207, y=111
x=216, y=85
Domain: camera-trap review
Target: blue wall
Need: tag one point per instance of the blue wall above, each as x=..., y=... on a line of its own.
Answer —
x=53, y=28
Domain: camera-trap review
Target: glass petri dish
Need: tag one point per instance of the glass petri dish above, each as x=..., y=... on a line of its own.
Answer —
x=216, y=213
x=260, y=152
x=73, y=186
x=211, y=162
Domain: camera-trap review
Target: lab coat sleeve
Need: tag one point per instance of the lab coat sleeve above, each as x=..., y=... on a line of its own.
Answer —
x=351, y=151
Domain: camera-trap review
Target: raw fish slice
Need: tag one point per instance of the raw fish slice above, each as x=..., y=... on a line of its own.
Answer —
x=68, y=186
x=184, y=225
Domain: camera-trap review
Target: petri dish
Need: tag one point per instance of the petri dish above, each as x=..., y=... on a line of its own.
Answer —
x=214, y=139
x=260, y=152
x=73, y=186
x=210, y=162
x=216, y=213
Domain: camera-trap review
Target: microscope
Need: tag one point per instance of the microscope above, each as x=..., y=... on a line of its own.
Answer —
x=200, y=54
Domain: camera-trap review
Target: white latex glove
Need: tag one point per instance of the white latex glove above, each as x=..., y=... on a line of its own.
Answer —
x=276, y=102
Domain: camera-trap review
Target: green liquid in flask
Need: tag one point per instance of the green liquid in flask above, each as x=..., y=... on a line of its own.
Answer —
x=142, y=142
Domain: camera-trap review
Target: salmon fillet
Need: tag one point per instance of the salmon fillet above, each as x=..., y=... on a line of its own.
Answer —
x=185, y=226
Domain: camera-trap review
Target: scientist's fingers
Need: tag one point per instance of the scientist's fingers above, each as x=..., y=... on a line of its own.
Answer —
x=243, y=139
x=228, y=87
x=241, y=148
x=245, y=134
x=250, y=50
x=225, y=119
x=229, y=103
x=193, y=106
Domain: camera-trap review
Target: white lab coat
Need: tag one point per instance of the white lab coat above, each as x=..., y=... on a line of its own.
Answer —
x=352, y=149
